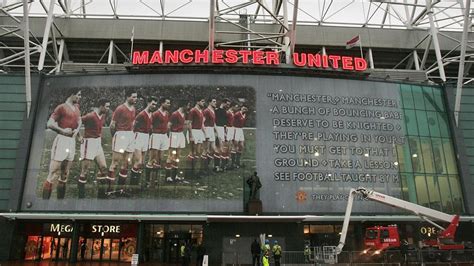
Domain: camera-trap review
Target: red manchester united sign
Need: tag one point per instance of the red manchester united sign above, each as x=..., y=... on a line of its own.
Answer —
x=246, y=57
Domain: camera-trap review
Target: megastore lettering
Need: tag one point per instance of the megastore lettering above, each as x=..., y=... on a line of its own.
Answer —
x=246, y=57
x=105, y=228
x=60, y=228
x=95, y=228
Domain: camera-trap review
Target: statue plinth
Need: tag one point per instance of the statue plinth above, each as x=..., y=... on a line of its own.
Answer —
x=254, y=206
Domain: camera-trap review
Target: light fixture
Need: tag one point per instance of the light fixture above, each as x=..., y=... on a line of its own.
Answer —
x=237, y=235
x=414, y=155
x=270, y=235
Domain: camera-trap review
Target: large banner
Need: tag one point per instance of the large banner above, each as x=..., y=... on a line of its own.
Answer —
x=189, y=142
x=327, y=137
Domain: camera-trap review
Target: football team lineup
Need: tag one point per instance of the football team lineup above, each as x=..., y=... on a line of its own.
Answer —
x=166, y=149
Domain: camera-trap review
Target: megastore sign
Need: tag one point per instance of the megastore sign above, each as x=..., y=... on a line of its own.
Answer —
x=94, y=228
x=247, y=57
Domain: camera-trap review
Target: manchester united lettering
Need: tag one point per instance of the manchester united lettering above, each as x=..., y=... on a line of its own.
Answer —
x=246, y=57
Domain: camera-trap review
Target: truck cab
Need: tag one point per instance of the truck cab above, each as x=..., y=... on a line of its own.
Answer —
x=379, y=238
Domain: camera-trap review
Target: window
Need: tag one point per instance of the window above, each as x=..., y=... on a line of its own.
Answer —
x=427, y=161
x=407, y=97
x=371, y=234
x=422, y=191
x=384, y=234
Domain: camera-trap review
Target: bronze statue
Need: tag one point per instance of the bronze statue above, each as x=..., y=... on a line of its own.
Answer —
x=254, y=184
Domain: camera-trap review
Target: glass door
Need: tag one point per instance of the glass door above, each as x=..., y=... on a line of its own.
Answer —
x=32, y=248
x=172, y=247
x=128, y=248
x=96, y=248
x=64, y=247
x=114, y=249
x=106, y=243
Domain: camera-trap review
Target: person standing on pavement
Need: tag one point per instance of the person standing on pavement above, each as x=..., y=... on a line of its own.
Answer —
x=200, y=252
x=266, y=259
x=276, y=250
x=307, y=253
x=255, y=249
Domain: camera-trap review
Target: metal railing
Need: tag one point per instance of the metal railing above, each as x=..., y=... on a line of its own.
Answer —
x=327, y=256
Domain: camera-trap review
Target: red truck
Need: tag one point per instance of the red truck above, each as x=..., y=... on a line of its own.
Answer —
x=380, y=238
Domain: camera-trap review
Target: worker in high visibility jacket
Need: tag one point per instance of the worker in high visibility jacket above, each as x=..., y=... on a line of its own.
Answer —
x=266, y=246
x=276, y=250
x=307, y=253
x=266, y=259
x=185, y=254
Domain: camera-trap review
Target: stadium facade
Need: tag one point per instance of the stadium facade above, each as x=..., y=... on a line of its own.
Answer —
x=392, y=113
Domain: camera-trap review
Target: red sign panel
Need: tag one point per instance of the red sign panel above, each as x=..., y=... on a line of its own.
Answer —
x=246, y=57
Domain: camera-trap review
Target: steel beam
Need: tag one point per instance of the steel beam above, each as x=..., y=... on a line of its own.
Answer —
x=47, y=28
x=26, y=43
x=212, y=25
x=111, y=52
x=434, y=35
x=466, y=26
x=59, y=60
x=286, y=31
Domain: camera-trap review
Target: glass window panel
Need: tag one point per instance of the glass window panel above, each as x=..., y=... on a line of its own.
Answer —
x=438, y=156
x=411, y=123
x=418, y=97
x=422, y=120
x=408, y=188
x=159, y=230
x=449, y=156
x=438, y=97
x=429, y=99
x=456, y=194
x=427, y=155
x=416, y=155
x=446, y=198
x=443, y=125
x=422, y=191
x=433, y=124
x=179, y=228
x=433, y=190
x=407, y=98
x=404, y=158
x=404, y=183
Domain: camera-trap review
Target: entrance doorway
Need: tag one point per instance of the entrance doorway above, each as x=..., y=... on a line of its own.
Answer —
x=47, y=247
x=173, y=248
x=162, y=242
x=106, y=249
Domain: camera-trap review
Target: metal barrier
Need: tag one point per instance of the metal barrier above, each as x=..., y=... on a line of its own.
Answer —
x=327, y=256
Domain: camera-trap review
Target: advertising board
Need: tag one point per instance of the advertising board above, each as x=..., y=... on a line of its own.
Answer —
x=309, y=139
